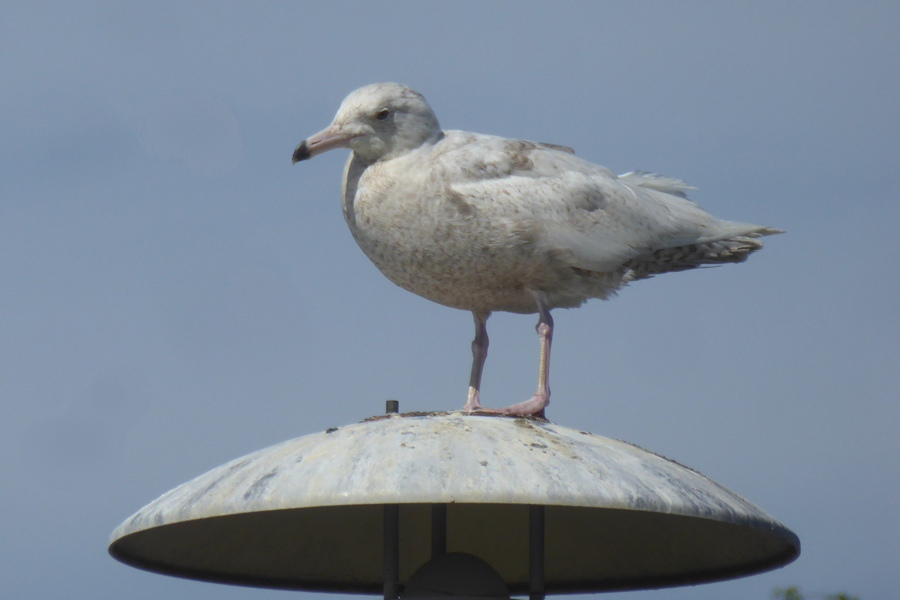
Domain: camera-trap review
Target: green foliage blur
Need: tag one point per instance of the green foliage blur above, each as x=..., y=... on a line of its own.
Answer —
x=793, y=593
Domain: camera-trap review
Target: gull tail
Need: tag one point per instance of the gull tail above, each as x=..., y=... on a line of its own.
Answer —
x=734, y=248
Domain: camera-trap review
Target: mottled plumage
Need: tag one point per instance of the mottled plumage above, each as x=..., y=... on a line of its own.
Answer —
x=484, y=223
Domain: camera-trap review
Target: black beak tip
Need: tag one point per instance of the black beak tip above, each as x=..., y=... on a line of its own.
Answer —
x=301, y=153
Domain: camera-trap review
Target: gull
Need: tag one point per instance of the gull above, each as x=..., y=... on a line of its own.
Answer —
x=484, y=223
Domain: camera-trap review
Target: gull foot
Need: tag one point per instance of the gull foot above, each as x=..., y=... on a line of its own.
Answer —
x=529, y=408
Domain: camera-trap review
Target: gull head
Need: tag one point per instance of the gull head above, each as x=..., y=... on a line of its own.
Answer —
x=378, y=122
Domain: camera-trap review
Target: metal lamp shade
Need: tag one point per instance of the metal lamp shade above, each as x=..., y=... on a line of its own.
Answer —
x=309, y=513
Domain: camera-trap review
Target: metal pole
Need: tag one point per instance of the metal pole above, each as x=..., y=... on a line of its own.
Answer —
x=438, y=530
x=536, y=552
x=391, y=551
x=391, y=561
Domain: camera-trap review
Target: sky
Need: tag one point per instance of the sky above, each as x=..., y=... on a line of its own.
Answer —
x=175, y=294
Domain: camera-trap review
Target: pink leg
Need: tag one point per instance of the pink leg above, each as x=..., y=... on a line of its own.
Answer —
x=479, y=354
x=535, y=406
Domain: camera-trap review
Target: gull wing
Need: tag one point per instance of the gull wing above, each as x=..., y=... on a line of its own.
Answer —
x=581, y=211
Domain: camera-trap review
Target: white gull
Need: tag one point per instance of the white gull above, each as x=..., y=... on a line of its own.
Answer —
x=483, y=223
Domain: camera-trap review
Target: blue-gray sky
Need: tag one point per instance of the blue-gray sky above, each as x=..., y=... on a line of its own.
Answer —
x=175, y=294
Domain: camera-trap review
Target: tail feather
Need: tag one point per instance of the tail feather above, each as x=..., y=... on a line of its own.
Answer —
x=691, y=256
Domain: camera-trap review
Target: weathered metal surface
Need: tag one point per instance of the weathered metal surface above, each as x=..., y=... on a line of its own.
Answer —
x=307, y=513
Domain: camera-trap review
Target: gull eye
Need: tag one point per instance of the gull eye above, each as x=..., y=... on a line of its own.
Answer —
x=383, y=114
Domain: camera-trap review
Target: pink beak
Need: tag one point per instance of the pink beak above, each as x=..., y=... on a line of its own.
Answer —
x=321, y=142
